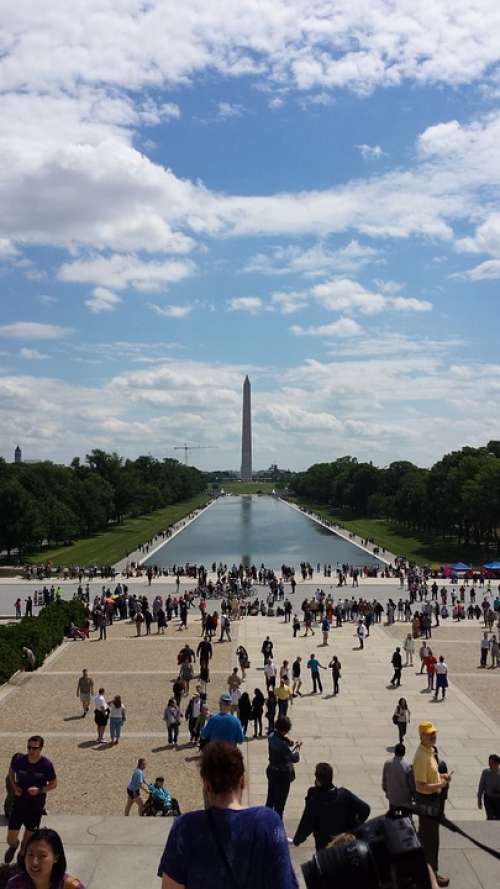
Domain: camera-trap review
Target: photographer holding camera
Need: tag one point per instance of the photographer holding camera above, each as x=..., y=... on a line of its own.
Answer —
x=283, y=754
x=429, y=786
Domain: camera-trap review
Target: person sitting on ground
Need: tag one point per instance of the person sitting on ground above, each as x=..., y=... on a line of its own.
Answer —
x=211, y=846
x=44, y=864
x=329, y=810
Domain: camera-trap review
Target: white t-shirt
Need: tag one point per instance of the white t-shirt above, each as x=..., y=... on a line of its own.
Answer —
x=270, y=670
x=100, y=702
x=116, y=712
x=441, y=667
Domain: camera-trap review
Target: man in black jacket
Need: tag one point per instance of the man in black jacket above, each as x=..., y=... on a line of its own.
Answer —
x=397, y=663
x=329, y=810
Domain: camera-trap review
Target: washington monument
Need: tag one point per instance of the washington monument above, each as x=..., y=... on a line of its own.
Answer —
x=246, y=435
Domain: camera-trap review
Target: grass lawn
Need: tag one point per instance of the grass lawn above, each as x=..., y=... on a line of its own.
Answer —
x=112, y=545
x=423, y=550
x=248, y=487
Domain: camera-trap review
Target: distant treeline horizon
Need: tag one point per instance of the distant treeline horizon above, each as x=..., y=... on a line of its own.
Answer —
x=458, y=497
x=54, y=503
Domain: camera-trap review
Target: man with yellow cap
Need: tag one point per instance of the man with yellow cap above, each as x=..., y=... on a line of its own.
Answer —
x=429, y=785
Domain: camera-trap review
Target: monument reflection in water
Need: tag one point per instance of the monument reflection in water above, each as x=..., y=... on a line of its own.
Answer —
x=256, y=530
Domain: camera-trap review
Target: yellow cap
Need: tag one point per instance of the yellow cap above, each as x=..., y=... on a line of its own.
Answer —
x=427, y=728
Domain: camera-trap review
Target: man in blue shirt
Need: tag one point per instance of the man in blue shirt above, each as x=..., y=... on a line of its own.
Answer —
x=223, y=726
x=315, y=666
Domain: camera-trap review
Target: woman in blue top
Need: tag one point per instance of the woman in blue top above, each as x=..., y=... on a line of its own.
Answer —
x=226, y=845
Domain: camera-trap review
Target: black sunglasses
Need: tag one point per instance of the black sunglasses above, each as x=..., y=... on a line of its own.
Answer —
x=32, y=747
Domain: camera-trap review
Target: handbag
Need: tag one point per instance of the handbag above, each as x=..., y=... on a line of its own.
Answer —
x=395, y=719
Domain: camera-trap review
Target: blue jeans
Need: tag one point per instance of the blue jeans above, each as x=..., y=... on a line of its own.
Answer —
x=115, y=728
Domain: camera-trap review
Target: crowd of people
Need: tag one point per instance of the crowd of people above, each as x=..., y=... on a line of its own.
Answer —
x=329, y=810
x=249, y=841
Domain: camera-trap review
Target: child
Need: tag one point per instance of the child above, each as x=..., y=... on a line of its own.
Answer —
x=201, y=721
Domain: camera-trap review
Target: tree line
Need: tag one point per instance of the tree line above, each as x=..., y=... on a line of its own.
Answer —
x=51, y=503
x=457, y=498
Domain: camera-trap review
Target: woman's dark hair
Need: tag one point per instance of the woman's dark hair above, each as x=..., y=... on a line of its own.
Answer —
x=258, y=694
x=221, y=766
x=283, y=725
x=117, y=701
x=46, y=835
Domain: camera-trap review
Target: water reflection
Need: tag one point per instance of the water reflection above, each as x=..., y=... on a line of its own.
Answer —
x=256, y=530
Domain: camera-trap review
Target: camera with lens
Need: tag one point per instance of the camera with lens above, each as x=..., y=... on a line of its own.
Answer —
x=384, y=854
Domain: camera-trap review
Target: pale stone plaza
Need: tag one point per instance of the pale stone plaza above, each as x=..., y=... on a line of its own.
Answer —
x=354, y=731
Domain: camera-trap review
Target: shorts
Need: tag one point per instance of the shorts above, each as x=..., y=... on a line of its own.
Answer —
x=85, y=698
x=27, y=812
x=132, y=794
x=100, y=718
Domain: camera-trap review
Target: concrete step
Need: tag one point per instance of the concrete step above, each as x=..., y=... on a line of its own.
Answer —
x=114, y=852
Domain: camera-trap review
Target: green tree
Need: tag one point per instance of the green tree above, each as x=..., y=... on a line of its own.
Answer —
x=21, y=523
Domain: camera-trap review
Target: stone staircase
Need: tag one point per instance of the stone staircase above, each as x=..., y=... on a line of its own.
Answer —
x=114, y=852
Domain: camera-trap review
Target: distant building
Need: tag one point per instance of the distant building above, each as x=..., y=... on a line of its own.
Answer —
x=18, y=455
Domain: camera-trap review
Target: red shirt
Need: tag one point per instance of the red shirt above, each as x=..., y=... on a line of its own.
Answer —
x=430, y=662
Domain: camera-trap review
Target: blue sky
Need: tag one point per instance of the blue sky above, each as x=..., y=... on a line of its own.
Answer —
x=308, y=195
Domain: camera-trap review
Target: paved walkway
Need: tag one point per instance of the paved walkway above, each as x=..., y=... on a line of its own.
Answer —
x=353, y=731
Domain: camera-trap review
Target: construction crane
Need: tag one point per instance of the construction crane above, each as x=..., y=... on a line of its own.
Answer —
x=186, y=448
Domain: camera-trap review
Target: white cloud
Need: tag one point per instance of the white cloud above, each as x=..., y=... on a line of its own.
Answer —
x=7, y=249
x=389, y=287
x=120, y=271
x=322, y=98
x=344, y=294
x=410, y=304
x=226, y=110
x=485, y=271
x=344, y=327
x=414, y=405
x=76, y=179
x=275, y=103
x=357, y=46
x=171, y=311
x=291, y=301
x=251, y=304
x=45, y=300
x=370, y=152
x=32, y=355
x=313, y=261
x=381, y=344
x=33, y=330
x=102, y=300
x=152, y=113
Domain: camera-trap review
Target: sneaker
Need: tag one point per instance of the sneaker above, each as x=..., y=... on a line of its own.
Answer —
x=442, y=880
x=9, y=855
x=290, y=840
